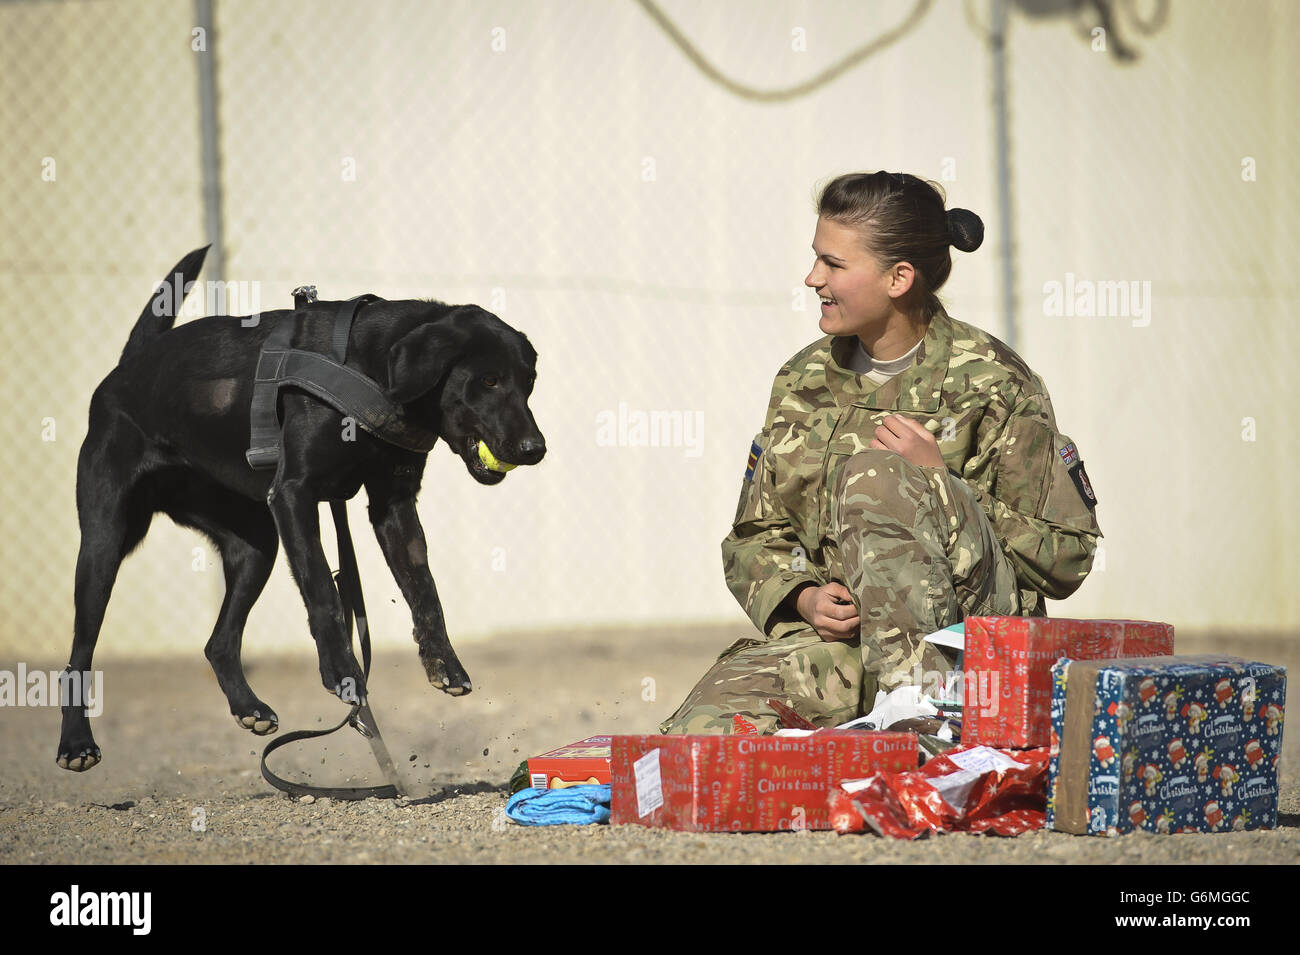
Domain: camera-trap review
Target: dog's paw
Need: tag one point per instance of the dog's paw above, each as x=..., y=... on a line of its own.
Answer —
x=450, y=677
x=78, y=759
x=349, y=690
x=259, y=722
x=344, y=680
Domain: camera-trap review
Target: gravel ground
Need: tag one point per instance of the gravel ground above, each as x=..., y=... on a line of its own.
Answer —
x=173, y=756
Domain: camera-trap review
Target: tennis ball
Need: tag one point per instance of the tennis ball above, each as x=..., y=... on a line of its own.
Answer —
x=489, y=460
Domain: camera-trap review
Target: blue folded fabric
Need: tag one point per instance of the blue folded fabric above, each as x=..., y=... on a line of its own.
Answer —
x=575, y=805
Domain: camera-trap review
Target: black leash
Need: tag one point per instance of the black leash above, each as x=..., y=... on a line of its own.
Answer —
x=360, y=717
x=347, y=580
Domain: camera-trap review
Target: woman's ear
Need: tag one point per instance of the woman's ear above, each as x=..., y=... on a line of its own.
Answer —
x=901, y=279
x=421, y=358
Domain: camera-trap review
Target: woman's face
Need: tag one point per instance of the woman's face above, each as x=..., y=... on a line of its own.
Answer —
x=856, y=295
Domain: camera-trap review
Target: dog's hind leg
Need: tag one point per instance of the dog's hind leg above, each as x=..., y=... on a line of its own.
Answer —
x=245, y=535
x=114, y=519
x=248, y=554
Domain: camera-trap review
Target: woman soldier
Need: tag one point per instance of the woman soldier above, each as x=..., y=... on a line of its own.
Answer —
x=909, y=474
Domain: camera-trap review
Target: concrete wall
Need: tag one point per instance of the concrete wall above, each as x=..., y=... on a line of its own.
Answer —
x=565, y=165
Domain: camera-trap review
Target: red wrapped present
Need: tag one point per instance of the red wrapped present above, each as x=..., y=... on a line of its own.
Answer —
x=975, y=789
x=1144, y=638
x=744, y=783
x=585, y=762
x=1008, y=669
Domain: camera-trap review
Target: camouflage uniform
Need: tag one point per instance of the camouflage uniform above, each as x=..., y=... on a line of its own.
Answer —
x=1009, y=522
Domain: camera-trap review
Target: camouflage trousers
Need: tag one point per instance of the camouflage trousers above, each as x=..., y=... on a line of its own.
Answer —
x=916, y=551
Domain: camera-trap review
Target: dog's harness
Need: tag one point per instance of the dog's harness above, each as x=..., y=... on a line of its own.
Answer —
x=362, y=399
x=327, y=377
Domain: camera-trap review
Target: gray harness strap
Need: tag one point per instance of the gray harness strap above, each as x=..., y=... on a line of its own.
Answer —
x=329, y=379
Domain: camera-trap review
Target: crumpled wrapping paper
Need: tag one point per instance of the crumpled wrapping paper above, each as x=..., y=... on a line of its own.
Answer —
x=969, y=789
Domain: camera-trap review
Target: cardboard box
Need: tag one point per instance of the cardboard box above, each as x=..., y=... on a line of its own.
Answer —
x=744, y=783
x=1008, y=664
x=581, y=763
x=1165, y=744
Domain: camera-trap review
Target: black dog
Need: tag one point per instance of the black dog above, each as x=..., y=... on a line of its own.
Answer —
x=168, y=432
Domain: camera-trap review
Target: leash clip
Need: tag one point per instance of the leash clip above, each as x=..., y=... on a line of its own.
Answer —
x=359, y=725
x=304, y=295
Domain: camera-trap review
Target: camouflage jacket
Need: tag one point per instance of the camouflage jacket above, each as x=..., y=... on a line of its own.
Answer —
x=996, y=431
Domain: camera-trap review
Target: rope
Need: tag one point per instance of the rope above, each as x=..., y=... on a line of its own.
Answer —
x=827, y=75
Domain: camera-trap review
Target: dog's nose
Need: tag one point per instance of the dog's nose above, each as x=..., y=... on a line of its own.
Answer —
x=532, y=450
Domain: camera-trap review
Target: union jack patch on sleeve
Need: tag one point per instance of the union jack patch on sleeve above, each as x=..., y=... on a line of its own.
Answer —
x=1068, y=454
x=754, y=452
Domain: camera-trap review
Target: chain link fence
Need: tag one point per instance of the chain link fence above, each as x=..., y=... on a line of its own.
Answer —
x=631, y=184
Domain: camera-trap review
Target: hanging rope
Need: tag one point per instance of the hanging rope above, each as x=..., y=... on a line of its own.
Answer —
x=790, y=92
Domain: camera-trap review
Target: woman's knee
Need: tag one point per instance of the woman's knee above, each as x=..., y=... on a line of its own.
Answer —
x=822, y=681
x=882, y=485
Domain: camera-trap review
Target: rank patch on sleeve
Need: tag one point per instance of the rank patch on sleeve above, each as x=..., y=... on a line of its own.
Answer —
x=754, y=452
x=1068, y=454
x=1084, y=486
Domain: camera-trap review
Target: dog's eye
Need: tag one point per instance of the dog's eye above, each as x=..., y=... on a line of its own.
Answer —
x=491, y=381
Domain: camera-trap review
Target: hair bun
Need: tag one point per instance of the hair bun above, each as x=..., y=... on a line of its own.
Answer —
x=965, y=229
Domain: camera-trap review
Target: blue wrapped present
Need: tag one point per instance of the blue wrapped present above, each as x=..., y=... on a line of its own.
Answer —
x=1166, y=744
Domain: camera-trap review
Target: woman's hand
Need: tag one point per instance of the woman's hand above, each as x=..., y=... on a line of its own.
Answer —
x=822, y=608
x=909, y=438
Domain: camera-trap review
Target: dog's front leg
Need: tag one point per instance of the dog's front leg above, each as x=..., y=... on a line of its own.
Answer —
x=298, y=520
x=397, y=526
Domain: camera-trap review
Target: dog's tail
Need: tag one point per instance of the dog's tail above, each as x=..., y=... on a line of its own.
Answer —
x=160, y=314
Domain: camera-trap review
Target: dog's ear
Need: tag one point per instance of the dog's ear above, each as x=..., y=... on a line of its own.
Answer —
x=421, y=359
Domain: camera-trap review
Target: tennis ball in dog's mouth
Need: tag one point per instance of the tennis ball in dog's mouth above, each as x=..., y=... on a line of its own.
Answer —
x=490, y=462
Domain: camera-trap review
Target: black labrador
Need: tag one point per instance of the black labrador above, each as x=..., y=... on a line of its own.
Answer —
x=168, y=431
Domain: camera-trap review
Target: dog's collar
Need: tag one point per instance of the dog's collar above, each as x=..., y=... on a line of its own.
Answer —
x=326, y=377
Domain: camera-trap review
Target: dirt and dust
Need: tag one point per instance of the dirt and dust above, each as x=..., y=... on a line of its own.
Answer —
x=180, y=782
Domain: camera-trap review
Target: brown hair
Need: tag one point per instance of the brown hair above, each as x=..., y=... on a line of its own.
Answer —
x=902, y=219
